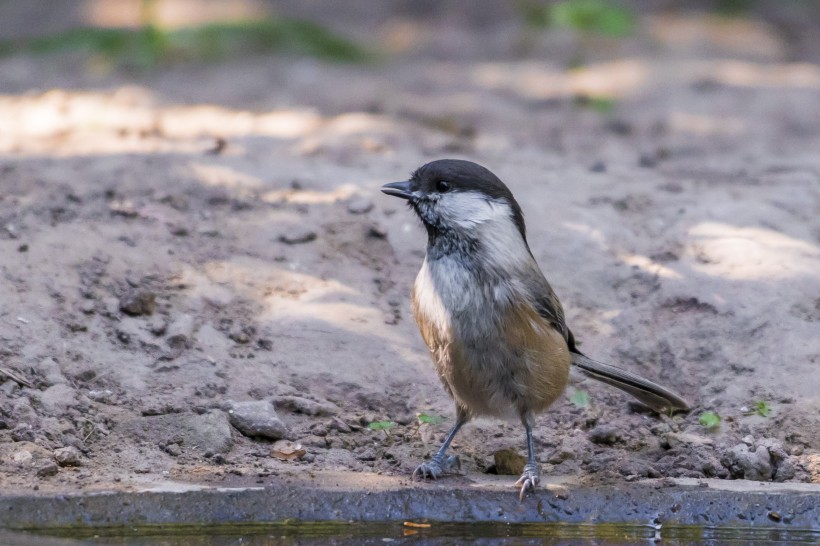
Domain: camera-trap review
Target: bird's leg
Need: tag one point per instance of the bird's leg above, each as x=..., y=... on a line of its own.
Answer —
x=530, y=478
x=437, y=464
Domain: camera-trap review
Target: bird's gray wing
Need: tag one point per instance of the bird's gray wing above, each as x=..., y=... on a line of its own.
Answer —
x=649, y=393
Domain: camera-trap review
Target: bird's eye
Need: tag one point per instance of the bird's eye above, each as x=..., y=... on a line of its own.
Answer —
x=442, y=186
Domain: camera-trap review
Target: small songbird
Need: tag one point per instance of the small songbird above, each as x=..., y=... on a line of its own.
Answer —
x=493, y=325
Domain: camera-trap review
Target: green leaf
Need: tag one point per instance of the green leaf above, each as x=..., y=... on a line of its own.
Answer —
x=709, y=419
x=600, y=104
x=428, y=419
x=593, y=16
x=579, y=398
x=603, y=105
x=381, y=425
x=763, y=408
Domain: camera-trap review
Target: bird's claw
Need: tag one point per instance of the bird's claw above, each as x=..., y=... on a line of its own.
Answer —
x=436, y=467
x=528, y=480
x=428, y=470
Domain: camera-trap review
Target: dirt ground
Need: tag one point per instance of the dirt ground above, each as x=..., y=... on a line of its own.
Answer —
x=176, y=241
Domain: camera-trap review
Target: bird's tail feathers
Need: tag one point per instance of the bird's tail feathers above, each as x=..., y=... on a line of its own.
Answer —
x=651, y=394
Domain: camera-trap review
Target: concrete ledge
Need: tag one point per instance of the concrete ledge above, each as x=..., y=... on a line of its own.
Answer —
x=370, y=498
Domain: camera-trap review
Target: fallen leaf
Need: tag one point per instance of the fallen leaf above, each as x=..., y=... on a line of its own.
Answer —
x=285, y=450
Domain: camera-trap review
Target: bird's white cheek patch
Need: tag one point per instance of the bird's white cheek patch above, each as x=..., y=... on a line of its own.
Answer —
x=469, y=209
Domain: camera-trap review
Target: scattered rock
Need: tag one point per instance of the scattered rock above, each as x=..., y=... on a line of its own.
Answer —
x=297, y=235
x=51, y=372
x=23, y=432
x=22, y=457
x=648, y=160
x=138, y=302
x=368, y=454
x=179, y=230
x=58, y=398
x=157, y=326
x=285, y=450
x=743, y=463
x=242, y=334
x=339, y=425
x=604, y=434
x=171, y=448
x=47, y=468
x=180, y=332
x=88, y=307
x=359, y=204
x=257, y=419
x=68, y=456
x=784, y=467
x=598, y=167
x=131, y=330
x=206, y=433
x=297, y=404
x=264, y=344
x=318, y=429
x=509, y=462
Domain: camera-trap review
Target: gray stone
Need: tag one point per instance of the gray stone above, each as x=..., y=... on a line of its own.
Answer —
x=257, y=419
x=157, y=326
x=138, y=302
x=339, y=425
x=297, y=235
x=784, y=467
x=180, y=332
x=131, y=330
x=23, y=432
x=297, y=404
x=604, y=434
x=209, y=432
x=359, y=204
x=57, y=398
x=744, y=463
x=68, y=456
x=47, y=468
x=51, y=372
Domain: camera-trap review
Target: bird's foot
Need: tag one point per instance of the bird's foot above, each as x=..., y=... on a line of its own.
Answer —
x=528, y=480
x=436, y=467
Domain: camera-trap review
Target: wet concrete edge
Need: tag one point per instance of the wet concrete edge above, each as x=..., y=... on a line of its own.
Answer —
x=752, y=505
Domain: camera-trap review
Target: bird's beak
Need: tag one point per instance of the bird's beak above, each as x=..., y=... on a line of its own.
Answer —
x=399, y=189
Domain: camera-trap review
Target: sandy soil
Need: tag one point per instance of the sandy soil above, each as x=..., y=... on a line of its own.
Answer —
x=174, y=241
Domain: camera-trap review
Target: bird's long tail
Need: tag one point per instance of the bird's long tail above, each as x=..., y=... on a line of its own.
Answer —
x=653, y=395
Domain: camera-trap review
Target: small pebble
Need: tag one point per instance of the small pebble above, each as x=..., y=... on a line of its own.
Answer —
x=68, y=456
x=359, y=204
x=257, y=419
x=604, y=434
x=138, y=302
x=598, y=167
x=297, y=235
x=47, y=468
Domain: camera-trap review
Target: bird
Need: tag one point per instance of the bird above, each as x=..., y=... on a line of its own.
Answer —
x=494, y=327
